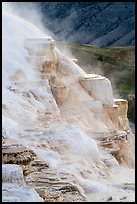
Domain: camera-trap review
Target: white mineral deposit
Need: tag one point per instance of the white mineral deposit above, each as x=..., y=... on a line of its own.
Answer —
x=69, y=119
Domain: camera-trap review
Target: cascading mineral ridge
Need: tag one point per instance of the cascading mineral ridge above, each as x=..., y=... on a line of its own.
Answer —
x=99, y=87
x=62, y=126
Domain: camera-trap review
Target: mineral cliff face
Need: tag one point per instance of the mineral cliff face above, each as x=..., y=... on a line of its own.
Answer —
x=61, y=125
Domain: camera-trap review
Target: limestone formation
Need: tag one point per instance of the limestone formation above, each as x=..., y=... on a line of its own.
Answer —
x=59, y=90
x=118, y=146
x=69, y=118
x=122, y=113
x=111, y=112
x=16, y=154
x=98, y=87
x=51, y=185
x=60, y=93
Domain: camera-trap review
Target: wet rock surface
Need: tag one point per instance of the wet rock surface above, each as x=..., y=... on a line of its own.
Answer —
x=118, y=146
x=16, y=154
x=52, y=185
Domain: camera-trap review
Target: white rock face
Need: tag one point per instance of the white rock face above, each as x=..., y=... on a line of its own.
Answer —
x=99, y=87
x=14, y=188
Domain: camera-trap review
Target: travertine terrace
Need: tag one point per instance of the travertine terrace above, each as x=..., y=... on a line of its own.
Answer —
x=77, y=134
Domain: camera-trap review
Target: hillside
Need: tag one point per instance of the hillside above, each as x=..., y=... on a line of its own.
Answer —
x=98, y=23
x=103, y=24
x=116, y=63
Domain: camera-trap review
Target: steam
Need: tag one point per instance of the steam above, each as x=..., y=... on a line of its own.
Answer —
x=28, y=11
x=36, y=18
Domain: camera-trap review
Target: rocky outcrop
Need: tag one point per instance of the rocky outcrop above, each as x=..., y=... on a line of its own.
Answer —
x=43, y=57
x=98, y=87
x=111, y=114
x=60, y=93
x=122, y=113
x=114, y=145
x=115, y=110
x=52, y=185
x=16, y=154
x=59, y=90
